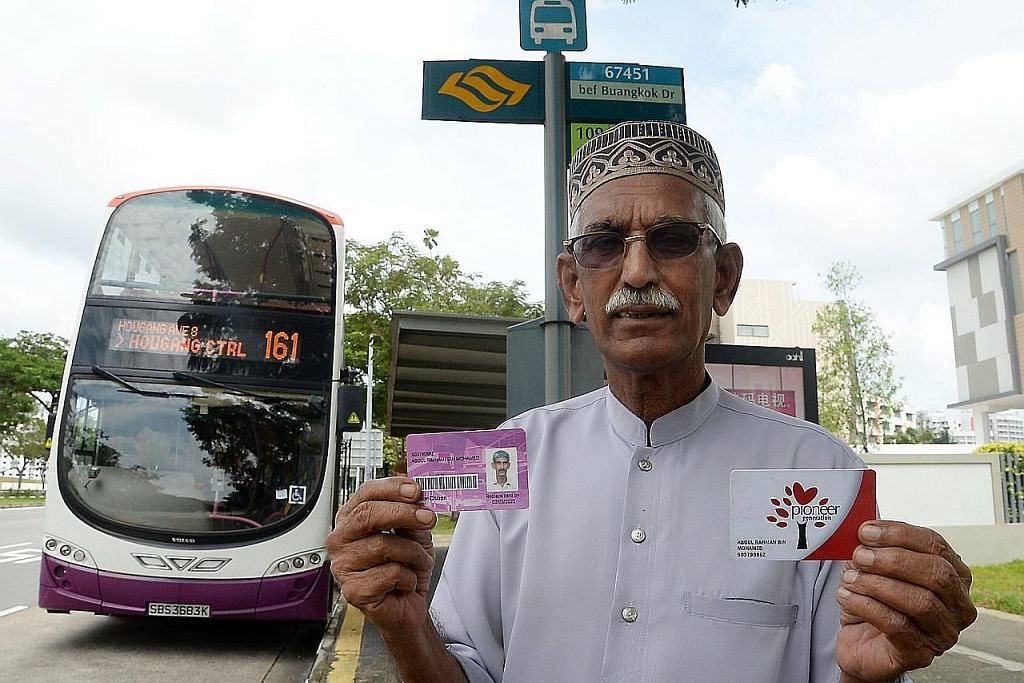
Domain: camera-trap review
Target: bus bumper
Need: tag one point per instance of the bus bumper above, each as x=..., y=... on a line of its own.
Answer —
x=300, y=597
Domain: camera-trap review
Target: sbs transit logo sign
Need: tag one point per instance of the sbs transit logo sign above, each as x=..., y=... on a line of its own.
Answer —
x=484, y=88
x=798, y=507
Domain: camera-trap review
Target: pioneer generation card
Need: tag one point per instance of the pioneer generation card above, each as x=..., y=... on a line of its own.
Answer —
x=799, y=514
x=479, y=470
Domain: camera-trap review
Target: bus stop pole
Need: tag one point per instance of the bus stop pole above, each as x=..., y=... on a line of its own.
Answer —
x=368, y=470
x=557, y=326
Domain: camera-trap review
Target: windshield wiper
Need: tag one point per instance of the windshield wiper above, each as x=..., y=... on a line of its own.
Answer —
x=315, y=402
x=107, y=374
x=220, y=385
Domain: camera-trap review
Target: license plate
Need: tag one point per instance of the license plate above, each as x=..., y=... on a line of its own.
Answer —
x=172, y=609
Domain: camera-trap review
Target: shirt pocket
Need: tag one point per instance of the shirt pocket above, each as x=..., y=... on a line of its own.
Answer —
x=746, y=611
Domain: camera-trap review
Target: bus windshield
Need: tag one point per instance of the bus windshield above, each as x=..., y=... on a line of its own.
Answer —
x=195, y=460
x=217, y=246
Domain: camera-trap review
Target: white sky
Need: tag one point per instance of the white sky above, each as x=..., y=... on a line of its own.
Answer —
x=841, y=125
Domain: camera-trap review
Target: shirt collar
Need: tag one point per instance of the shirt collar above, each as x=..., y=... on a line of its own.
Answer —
x=676, y=425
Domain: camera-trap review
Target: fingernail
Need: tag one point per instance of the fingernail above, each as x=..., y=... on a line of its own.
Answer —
x=842, y=593
x=425, y=516
x=850, y=575
x=407, y=490
x=870, y=532
x=863, y=557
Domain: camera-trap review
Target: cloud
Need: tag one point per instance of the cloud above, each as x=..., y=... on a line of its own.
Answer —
x=803, y=183
x=921, y=339
x=985, y=87
x=41, y=291
x=778, y=85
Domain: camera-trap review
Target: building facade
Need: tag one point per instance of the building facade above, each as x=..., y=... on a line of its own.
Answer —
x=1006, y=426
x=981, y=232
x=767, y=313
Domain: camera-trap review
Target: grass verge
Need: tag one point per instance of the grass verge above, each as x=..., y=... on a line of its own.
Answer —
x=20, y=501
x=1000, y=586
x=445, y=524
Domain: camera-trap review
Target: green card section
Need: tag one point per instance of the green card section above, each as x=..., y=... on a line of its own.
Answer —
x=496, y=91
x=580, y=133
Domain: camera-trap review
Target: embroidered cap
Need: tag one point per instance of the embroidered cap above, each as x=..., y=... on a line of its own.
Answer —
x=637, y=147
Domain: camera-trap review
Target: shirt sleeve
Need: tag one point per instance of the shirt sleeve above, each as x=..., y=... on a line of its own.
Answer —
x=466, y=606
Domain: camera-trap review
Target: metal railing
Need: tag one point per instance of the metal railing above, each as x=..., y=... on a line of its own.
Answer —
x=1013, y=489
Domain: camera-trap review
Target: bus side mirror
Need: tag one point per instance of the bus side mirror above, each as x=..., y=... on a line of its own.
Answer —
x=51, y=421
x=351, y=407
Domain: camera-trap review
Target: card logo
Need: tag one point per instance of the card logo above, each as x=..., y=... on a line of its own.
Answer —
x=798, y=507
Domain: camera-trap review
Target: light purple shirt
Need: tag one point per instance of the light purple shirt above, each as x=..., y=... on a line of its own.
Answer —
x=623, y=572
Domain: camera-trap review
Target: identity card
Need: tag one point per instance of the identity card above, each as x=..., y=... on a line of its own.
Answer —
x=478, y=470
x=799, y=514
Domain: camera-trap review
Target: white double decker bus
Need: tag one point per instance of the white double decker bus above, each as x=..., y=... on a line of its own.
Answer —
x=193, y=464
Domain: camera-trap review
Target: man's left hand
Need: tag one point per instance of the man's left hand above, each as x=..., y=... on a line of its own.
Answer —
x=904, y=599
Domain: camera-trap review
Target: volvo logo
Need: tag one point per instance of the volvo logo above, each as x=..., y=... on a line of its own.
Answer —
x=181, y=563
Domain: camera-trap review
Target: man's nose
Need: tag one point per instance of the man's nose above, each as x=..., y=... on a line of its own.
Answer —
x=638, y=268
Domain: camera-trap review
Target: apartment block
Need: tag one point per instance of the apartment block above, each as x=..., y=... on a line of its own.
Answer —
x=1006, y=426
x=982, y=232
x=767, y=313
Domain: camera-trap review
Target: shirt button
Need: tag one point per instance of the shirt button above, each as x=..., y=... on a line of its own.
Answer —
x=638, y=535
x=629, y=615
x=645, y=465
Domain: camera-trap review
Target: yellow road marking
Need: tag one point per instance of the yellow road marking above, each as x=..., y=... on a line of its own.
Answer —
x=346, y=651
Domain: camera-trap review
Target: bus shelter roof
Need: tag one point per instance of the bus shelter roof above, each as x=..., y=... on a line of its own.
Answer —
x=447, y=372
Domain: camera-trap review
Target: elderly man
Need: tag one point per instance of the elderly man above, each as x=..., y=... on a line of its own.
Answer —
x=500, y=463
x=621, y=567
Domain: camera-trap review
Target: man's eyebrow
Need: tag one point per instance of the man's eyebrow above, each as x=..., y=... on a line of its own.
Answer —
x=665, y=218
x=603, y=225
x=611, y=225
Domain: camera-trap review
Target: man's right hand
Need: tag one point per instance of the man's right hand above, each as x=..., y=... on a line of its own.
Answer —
x=382, y=553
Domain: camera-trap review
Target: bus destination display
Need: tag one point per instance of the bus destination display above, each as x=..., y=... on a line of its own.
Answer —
x=185, y=339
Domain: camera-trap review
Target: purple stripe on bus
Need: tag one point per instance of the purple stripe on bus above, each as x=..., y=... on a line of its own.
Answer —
x=301, y=596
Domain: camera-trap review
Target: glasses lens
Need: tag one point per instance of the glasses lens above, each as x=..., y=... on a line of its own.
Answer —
x=674, y=240
x=599, y=250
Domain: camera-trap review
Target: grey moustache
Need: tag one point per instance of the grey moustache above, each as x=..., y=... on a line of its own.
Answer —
x=645, y=296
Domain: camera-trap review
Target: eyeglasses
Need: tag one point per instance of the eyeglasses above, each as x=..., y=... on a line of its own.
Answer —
x=664, y=242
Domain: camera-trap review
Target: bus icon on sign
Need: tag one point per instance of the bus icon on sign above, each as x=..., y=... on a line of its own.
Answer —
x=552, y=25
x=552, y=20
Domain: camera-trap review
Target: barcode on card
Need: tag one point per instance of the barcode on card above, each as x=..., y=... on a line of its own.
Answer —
x=448, y=482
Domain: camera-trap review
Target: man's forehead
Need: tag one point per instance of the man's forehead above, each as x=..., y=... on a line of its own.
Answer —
x=644, y=200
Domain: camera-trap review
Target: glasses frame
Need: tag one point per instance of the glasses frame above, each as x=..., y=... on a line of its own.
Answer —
x=626, y=239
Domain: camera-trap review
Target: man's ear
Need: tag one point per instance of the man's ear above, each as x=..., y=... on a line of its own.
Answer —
x=569, y=285
x=728, y=269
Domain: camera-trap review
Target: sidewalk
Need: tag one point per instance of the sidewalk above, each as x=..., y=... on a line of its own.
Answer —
x=990, y=651
x=351, y=650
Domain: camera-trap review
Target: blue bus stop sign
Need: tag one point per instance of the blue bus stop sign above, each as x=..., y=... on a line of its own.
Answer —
x=553, y=25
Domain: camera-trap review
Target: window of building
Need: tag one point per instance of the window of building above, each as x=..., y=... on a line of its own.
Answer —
x=973, y=210
x=1015, y=283
x=751, y=330
x=958, y=233
x=990, y=210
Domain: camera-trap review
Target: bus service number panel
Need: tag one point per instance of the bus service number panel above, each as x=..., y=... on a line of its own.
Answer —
x=283, y=347
x=275, y=345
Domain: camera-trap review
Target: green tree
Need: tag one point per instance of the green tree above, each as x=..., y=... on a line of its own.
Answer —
x=31, y=364
x=25, y=443
x=396, y=275
x=923, y=433
x=855, y=367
